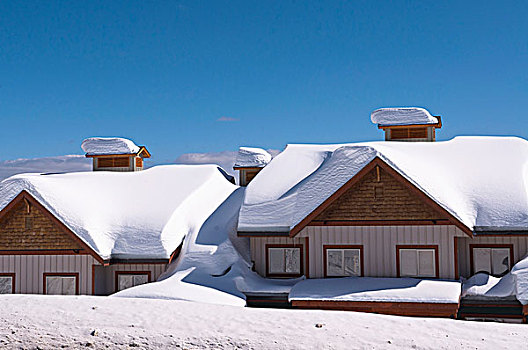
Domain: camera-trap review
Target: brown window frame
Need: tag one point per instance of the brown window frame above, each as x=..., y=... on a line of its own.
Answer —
x=418, y=246
x=61, y=274
x=139, y=162
x=343, y=246
x=285, y=275
x=13, y=279
x=489, y=245
x=142, y=272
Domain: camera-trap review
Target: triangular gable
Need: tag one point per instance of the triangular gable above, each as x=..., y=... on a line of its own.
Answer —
x=379, y=195
x=26, y=225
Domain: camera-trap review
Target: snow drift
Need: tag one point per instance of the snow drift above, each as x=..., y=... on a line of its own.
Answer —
x=252, y=157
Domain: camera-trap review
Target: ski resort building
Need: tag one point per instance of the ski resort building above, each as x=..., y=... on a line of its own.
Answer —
x=403, y=221
x=99, y=232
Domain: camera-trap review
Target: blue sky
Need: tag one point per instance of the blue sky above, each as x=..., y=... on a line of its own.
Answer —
x=166, y=73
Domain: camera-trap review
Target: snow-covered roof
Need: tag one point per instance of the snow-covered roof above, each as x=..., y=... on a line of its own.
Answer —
x=94, y=146
x=402, y=116
x=136, y=215
x=250, y=157
x=404, y=290
x=481, y=181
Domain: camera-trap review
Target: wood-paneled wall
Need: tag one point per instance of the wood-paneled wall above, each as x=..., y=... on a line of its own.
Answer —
x=105, y=276
x=29, y=270
x=379, y=246
x=520, y=249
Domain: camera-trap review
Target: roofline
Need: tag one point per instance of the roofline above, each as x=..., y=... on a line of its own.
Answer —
x=377, y=161
x=113, y=261
x=25, y=195
x=141, y=149
x=397, y=126
x=248, y=167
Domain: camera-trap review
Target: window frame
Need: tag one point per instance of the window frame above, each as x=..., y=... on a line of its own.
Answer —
x=491, y=246
x=285, y=275
x=137, y=272
x=417, y=247
x=13, y=279
x=61, y=274
x=342, y=246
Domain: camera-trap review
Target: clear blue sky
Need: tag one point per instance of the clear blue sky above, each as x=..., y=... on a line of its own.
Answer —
x=163, y=73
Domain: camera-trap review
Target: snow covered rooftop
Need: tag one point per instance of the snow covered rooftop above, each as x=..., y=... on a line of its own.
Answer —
x=132, y=215
x=249, y=157
x=481, y=181
x=407, y=290
x=402, y=116
x=109, y=145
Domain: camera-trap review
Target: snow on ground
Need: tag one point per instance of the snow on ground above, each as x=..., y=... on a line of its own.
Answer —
x=51, y=322
x=252, y=157
x=109, y=145
x=405, y=290
x=402, y=116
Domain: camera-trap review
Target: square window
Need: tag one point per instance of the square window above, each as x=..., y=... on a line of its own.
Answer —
x=128, y=280
x=343, y=261
x=493, y=260
x=61, y=285
x=417, y=262
x=284, y=261
x=6, y=284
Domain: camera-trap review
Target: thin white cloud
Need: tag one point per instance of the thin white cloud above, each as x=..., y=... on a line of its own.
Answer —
x=59, y=164
x=227, y=119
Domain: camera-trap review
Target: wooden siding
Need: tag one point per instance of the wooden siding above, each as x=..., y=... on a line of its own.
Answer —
x=29, y=270
x=520, y=249
x=379, y=246
x=378, y=196
x=97, y=159
x=105, y=276
x=23, y=230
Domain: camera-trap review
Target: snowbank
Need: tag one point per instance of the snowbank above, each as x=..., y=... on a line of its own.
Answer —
x=484, y=285
x=144, y=214
x=252, y=157
x=482, y=181
x=409, y=290
x=108, y=145
x=402, y=116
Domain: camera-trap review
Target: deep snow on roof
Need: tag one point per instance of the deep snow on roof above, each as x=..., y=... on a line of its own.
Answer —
x=108, y=145
x=482, y=181
x=252, y=157
x=143, y=214
x=402, y=116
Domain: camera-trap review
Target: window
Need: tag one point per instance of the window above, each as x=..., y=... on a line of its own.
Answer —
x=284, y=261
x=417, y=261
x=61, y=283
x=113, y=162
x=343, y=260
x=7, y=283
x=139, y=162
x=493, y=259
x=128, y=279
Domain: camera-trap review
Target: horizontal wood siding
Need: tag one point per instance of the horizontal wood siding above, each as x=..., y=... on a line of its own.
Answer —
x=30, y=269
x=105, y=276
x=379, y=246
x=520, y=249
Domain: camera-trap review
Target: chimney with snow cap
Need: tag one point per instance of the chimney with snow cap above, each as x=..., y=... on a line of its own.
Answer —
x=406, y=123
x=249, y=162
x=114, y=154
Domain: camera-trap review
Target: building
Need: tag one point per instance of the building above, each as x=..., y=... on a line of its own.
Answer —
x=98, y=232
x=430, y=211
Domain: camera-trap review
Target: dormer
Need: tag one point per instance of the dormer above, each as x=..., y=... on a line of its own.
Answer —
x=249, y=162
x=114, y=154
x=406, y=123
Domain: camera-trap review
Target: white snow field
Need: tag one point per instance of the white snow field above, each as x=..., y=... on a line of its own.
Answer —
x=252, y=157
x=54, y=322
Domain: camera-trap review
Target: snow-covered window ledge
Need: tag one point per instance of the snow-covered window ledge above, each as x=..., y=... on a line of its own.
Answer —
x=417, y=261
x=284, y=260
